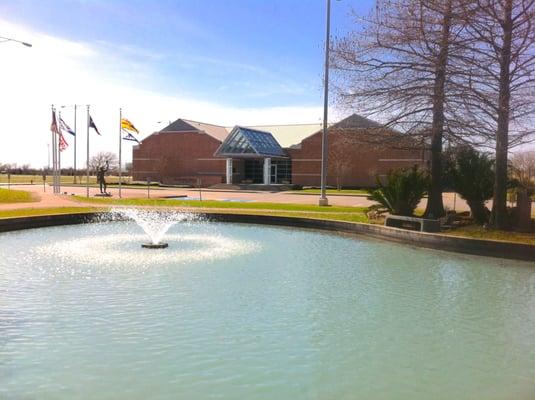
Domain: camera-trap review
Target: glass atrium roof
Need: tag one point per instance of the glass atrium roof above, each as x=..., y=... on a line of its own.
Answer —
x=247, y=142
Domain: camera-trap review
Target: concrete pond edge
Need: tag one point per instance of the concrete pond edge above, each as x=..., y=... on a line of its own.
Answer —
x=479, y=247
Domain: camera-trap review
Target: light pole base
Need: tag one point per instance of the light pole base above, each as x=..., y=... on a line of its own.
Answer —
x=323, y=201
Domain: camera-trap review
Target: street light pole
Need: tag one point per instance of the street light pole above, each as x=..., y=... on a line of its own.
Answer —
x=323, y=201
x=5, y=39
x=87, y=156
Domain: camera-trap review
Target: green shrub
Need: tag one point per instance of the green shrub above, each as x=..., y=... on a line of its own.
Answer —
x=472, y=176
x=402, y=191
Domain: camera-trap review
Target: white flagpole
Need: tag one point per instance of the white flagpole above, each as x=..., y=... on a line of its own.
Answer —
x=53, y=154
x=87, y=159
x=59, y=155
x=56, y=189
x=120, y=149
x=75, y=135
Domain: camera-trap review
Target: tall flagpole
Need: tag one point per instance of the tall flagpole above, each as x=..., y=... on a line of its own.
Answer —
x=53, y=153
x=75, y=135
x=55, y=145
x=120, y=148
x=59, y=156
x=52, y=144
x=87, y=159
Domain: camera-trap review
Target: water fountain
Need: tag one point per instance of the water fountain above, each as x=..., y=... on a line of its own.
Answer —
x=154, y=224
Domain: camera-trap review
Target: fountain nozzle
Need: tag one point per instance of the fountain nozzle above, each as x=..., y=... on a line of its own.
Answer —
x=154, y=245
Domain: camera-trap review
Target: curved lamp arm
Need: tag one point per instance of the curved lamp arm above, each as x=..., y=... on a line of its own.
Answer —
x=5, y=39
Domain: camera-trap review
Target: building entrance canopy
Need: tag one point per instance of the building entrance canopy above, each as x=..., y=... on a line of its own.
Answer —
x=249, y=143
x=252, y=151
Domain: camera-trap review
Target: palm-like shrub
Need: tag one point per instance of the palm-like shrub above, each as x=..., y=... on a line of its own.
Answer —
x=402, y=191
x=472, y=176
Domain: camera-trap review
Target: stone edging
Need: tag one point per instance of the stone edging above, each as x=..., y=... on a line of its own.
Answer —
x=40, y=221
x=489, y=248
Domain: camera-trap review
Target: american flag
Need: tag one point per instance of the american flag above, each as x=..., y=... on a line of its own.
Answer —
x=62, y=142
x=54, y=125
x=55, y=129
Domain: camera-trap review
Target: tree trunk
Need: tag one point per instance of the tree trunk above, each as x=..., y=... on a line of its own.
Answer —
x=479, y=212
x=435, y=206
x=499, y=218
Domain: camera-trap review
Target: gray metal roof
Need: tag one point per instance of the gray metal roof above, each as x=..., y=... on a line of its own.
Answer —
x=186, y=125
x=179, y=126
x=285, y=134
x=247, y=142
x=216, y=131
x=356, y=121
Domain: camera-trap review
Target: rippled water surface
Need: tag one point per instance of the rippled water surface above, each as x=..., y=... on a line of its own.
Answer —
x=249, y=312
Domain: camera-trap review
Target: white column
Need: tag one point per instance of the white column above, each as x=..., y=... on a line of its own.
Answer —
x=267, y=171
x=229, y=170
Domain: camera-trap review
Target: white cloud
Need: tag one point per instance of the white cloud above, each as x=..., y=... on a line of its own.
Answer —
x=59, y=71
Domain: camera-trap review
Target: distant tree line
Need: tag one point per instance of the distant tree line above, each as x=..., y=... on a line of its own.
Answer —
x=16, y=169
x=96, y=161
x=446, y=71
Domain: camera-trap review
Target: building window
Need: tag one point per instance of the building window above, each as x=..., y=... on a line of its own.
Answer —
x=254, y=171
x=284, y=170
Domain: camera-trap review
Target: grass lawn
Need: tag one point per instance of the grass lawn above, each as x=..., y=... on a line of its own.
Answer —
x=334, y=216
x=38, y=179
x=477, y=232
x=220, y=204
x=355, y=215
x=17, y=196
x=350, y=214
x=332, y=192
x=29, y=212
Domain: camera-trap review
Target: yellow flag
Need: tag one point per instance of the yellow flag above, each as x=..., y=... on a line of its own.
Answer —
x=126, y=124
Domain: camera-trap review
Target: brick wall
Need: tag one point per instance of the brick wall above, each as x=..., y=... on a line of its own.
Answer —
x=178, y=158
x=351, y=162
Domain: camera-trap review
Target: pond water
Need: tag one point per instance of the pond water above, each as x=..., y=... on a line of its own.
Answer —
x=234, y=311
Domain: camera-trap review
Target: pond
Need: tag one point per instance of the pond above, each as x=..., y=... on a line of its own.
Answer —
x=232, y=311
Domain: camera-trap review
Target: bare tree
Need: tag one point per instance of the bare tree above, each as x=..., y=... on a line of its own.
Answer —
x=500, y=65
x=523, y=168
x=398, y=66
x=163, y=164
x=6, y=167
x=341, y=152
x=103, y=157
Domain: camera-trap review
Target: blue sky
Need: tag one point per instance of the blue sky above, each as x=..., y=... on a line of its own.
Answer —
x=237, y=52
x=247, y=62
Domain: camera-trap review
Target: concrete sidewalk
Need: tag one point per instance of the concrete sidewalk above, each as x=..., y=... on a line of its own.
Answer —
x=48, y=199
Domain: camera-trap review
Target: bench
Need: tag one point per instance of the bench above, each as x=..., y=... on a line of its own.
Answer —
x=413, y=223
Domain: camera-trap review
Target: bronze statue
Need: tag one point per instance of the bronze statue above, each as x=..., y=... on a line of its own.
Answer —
x=100, y=177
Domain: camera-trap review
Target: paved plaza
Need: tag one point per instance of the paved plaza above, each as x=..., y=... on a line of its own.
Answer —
x=48, y=199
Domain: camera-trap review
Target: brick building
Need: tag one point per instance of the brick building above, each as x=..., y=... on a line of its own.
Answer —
x=181, y=153
x=190, y=152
